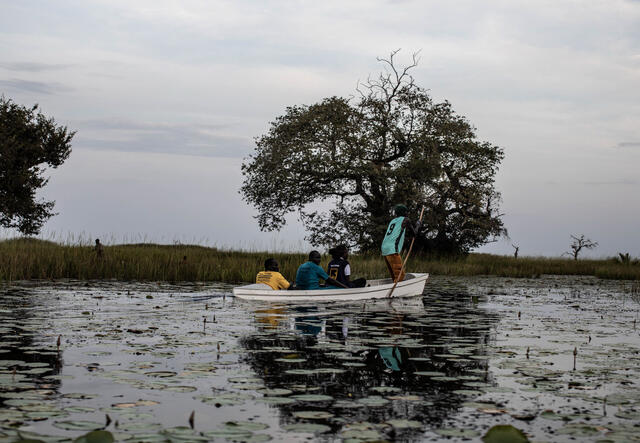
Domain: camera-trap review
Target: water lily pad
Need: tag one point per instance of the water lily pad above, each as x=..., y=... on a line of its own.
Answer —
x=629, y=414
x=228, y=433
x=408, y=398
x=300, y=371
x=247, y=386
x=373, y=401
x=314, y=415
x=137, y=427
x=181, y=388
x=184, y=434
x=313, y=397
x=314, y=428
x=430, y=373
x=78, y=425
x=147, y=438
x=361, y=435
x=386, y=389
x=79, y=396
x=245, y=380
x=255, y=438
x=353, y=364
x=348, y=404
x=579, y=430
x=79, y=409
x=161, y=374
x=277, y=400
x=245, y=425
x=504, y=434
x=405, y=424
x=467, y=392
x=551, y=415
x=452, y=432
x=278, y=392
x=95, y=437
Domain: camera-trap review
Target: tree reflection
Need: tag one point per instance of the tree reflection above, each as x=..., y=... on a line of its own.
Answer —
x=378, y=363
x=25, y=363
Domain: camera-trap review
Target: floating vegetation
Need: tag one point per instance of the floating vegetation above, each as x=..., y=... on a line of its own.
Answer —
x=557, y=357
x=503, y=434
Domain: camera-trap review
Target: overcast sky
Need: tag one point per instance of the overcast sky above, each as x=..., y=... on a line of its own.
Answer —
x=167, y=96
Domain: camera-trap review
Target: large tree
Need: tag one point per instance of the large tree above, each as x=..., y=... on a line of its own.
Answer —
x=343, y=163
x=30, y=144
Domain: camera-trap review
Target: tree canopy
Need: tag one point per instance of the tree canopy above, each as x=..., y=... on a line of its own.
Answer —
x=29, y=144
x=343, y=163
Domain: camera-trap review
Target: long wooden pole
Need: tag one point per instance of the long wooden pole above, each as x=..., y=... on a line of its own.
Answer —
x=404, y=263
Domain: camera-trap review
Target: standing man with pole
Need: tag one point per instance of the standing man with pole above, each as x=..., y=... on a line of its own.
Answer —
x=394, y=240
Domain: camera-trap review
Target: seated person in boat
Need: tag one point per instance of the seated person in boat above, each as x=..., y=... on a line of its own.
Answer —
x=309, y=274
x=339, y=268
x=394, y=240
x=271, y=275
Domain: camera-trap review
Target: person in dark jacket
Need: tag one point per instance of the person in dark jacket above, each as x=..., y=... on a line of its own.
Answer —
x=339, y=268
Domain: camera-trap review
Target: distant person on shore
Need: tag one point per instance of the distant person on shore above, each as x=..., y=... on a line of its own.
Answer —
x=394, y=240
x=98, y=248
x=310, y=273
x=340, y=269
x=271, y=275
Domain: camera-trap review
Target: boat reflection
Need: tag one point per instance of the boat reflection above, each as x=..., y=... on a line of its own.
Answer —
x=374, y=362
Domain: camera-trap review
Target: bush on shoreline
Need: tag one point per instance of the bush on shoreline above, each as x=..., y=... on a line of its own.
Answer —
x=32, y=259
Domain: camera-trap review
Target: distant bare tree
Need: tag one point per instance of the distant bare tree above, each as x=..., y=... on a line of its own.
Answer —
x=580, y=243
x=515, y=253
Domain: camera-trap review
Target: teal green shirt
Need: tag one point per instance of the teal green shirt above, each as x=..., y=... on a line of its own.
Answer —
x=308, y=276
x=394, y=238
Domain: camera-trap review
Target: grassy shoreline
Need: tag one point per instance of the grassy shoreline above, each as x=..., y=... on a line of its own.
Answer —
x=30, y=259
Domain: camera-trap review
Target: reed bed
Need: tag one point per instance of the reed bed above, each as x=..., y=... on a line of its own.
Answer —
x=32, y=259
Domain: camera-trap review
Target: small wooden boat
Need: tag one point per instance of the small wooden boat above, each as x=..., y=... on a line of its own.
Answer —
x=412, y=285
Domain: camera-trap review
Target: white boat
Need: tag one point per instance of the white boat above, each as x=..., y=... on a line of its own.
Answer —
x=412, y=285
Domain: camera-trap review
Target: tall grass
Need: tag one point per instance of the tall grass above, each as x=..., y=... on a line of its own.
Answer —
x=28, y=259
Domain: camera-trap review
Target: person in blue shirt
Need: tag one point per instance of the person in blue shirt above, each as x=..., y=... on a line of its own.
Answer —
x=310, y=273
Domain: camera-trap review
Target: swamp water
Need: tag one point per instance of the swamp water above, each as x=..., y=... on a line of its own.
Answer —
x=472, y=353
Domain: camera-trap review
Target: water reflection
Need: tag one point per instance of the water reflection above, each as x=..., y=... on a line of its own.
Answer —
x=28, y=369
x=373, y=362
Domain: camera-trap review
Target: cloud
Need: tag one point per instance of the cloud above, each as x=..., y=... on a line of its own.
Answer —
x=33, y=66
x=628, y=144
x=33, y=86
x=208, y=140
x=624, y=181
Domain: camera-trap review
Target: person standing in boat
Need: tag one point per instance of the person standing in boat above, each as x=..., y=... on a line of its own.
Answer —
x=271, y=275
x=394, y=240
x=310, y=273
x=340, y=269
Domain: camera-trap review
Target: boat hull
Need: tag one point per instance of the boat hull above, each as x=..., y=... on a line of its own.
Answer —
x=412, y=286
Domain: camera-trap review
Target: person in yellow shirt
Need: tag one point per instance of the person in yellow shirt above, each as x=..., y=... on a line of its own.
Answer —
x=271, y=275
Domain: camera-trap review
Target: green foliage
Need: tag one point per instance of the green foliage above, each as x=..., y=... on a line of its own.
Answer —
x=31, y=259
x=393, y=144
x=95, y=437
x=504, y=434
x=29, y=143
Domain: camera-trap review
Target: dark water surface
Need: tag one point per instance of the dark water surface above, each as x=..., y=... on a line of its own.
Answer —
x=470, y=354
